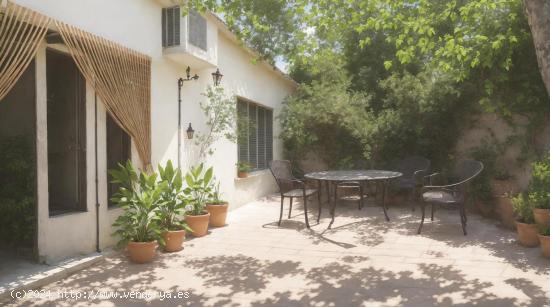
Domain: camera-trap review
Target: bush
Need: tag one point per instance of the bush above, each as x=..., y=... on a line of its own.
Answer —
x=523, y=208
x=539, y=187
x=419, y=114
x=17, y=193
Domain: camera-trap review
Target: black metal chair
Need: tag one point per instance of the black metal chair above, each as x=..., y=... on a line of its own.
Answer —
x=290, y=187
x=414, y=169
x=451, y=194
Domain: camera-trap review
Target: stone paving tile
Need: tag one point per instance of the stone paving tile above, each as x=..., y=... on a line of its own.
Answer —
x=362, y=261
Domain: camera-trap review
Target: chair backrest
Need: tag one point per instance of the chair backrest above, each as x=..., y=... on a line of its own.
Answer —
x=281, y=170
x=408, y=166
x=467, y=170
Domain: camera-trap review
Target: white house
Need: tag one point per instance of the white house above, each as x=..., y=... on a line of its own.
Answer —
x=61, y=111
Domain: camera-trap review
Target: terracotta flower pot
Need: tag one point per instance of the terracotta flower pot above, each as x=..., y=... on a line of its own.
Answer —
x=527, y=234
x=503, y=187
x=542, y=216
x=545, y=245
x=218, y=214
x=242, y=174
x=142, y=252
x=485, y=209
x=173, y=240
x=505, y=211
x=198, y=224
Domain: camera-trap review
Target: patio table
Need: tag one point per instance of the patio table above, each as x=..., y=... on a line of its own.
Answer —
x=338, y=176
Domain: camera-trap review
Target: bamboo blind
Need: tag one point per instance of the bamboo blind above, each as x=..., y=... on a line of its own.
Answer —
x=121, y=77
x=21, y=31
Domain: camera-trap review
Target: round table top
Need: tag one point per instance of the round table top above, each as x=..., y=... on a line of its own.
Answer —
x=353, y=175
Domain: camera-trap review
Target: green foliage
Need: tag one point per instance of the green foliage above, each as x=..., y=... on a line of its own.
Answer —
x=216, y=196
x=544, y=230
x=539, y=188
x=244, y=167
x=17, y=193
x=387, y=78
x=199, y=188
x=221, y=116
x=173, y=200
x=140, y=197
x=523, y=208
x=326, y=117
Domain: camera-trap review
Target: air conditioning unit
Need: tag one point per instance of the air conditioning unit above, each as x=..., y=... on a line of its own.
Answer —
x=188, y=38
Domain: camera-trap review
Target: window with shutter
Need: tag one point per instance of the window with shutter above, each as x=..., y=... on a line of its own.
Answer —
x=261, y=138
x=197, y=30
x=255, y=139
x=242, y=128
x=252, y=135
x=269, y=136
x=171, y=26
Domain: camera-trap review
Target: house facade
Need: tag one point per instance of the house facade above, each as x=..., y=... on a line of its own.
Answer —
x=77, y=139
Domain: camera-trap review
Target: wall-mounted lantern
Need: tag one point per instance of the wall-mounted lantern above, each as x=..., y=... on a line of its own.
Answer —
x=180, y=84
x=190, y=132
x=217, y=77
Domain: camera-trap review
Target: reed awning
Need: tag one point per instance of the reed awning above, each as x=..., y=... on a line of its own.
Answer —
x=120, y=76
x=21, y=32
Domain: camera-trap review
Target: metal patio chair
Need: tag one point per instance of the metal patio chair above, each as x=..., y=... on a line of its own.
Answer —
x=414, y=169
x=453, y=194
x=290, y=187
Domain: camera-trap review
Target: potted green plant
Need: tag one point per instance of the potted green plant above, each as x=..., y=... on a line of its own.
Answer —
x=544, y=237
x=243, y=168
x=539, y=190
x=199, y=188
x=172, y=208
x=525, y=223
x=138, y=227
x=217, y=208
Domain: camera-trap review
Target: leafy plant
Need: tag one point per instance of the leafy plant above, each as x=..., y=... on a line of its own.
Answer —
x=140, y=197
x=244, y=167
x=221, y=116
x=539, y=187
x=544, y=230
x=199, y=188
x=523, y=208
x=17, y=192
x=215, y=196
x=173, y=200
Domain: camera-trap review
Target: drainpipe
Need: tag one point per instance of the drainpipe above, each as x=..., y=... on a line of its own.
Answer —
x=96, y=182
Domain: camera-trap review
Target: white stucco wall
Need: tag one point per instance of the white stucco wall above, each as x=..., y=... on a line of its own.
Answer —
x=137, y=25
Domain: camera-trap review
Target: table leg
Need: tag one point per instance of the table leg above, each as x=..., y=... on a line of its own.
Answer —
x=384, y=194
x=333, y=209
x=320, y=186
x=328, y=191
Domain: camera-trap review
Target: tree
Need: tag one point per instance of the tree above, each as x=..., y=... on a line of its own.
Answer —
x=221, y=116
x=538, y=14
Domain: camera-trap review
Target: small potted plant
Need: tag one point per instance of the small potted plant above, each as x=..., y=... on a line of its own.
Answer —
x=138, y=227
x=539, y=190
x=243, y=168
x=199, y=188
x=525, y=223
x=544, y=237
x=217, y=208
x=172, y=208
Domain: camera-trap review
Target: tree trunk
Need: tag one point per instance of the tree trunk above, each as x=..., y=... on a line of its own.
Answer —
x=538, y=15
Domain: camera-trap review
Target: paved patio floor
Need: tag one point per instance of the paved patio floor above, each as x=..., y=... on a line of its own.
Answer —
x=362, y=260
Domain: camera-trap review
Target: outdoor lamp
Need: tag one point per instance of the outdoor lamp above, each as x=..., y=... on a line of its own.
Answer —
x=217, y=77
x=180, y=85
x=190, y=132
